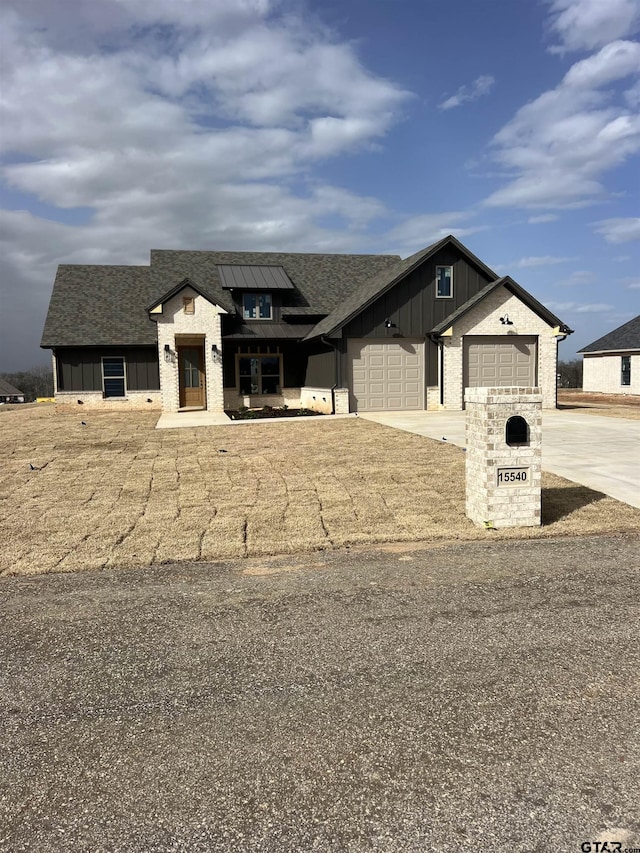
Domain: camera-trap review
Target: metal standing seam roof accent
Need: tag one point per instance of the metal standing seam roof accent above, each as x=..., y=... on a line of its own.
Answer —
x=506, y=281
x=253, y=277
x=625, y=337
x=9, y=390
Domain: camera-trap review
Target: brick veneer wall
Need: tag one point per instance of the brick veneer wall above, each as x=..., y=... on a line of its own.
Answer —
x=487, y=412
x=204, y=322
x=484, y=319
x=77, y=401
x=603, y=373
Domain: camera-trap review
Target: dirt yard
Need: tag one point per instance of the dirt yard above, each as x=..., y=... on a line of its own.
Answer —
x=118, y=493
x=610, y=405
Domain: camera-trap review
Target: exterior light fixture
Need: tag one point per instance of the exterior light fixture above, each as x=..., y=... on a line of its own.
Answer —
x=389, y=324
x=167, y=353
x=506, y=321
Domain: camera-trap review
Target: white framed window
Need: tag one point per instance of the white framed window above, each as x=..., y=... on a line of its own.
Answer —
x=256, y=306
x=444, y=282
x=113, y=376
x=259, y=374
x=625, y=370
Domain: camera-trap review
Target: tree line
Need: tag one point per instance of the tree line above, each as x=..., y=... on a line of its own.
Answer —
x=35, y=382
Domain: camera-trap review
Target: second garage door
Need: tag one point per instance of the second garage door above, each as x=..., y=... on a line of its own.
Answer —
x=494, y=362
x=386, y=375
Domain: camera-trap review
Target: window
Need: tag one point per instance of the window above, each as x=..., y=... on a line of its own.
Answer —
x=113, y=377
x=256, y=306
x=444, y=282
x=188, y=305
x=259, y=374
x=625, y=372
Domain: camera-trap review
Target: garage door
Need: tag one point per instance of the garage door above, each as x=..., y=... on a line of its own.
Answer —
x=500, y=361
x=386, y=375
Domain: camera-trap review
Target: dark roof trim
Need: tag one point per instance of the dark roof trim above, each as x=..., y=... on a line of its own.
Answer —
x=268, y=331
x=522, y=294
x=186, y=282
x=253, y=277
x=421, y=256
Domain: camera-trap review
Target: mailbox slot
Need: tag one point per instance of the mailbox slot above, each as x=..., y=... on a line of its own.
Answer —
x=517, y=431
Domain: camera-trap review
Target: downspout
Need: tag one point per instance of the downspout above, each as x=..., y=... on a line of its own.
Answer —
x=440, y=344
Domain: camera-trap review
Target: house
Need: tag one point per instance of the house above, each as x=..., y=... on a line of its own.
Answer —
x=336, y=333
x=611, y=364
x=9, y=393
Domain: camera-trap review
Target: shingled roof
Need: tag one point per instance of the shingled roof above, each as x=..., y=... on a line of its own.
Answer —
x=9, y=390
x=624, y=338
x=99, y=306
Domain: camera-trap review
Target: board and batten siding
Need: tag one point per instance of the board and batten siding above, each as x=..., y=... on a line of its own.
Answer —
x=414, y=309
x=80, y=369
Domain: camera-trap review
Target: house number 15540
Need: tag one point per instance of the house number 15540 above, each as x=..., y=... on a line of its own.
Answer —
x=514, y=476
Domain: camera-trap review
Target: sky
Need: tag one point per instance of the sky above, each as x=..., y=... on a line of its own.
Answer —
x=375, y=126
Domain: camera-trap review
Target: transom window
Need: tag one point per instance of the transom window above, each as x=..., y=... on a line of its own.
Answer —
x=625, y=370
x=444, y=282
x=259, y=374
x=256, y=306
x=113, y=376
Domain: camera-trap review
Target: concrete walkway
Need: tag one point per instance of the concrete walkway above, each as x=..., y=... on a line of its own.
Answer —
x=194, y=418
x=599, y=452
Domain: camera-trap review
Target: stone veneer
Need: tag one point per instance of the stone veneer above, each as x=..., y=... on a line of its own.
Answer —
x=487, y=412
x=484, y=319
x=205, y=324
x=288, y=397
x=341, y=401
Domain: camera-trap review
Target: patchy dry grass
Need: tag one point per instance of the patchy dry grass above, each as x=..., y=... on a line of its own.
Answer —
x=608, y=405
x=119, y=493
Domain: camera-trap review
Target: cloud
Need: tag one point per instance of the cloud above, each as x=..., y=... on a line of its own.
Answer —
x=577, y=278
x=416, y=232
x=579, y=308
x=619, y=229
x=481, y=86
x=544, y=217
x=556, y=147
x=543, y=261
x=589, y=24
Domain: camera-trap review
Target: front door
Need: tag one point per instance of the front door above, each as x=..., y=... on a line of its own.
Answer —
x=191, y=370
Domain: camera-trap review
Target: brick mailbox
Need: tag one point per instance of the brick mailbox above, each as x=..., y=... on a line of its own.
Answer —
x=504, y=456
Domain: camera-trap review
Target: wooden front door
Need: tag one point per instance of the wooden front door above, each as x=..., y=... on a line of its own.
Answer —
x=191, y=370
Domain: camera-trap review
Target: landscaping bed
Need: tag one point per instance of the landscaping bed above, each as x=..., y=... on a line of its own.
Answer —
x=245, y=414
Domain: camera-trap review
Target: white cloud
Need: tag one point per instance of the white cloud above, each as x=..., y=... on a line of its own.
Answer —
x=578, y=278
x=416, y=232
x=579, y=308
x=544, y=217
x=619, y=229
x=588, y=24
x=557, y=147
x=539, y=261
x=481, y=86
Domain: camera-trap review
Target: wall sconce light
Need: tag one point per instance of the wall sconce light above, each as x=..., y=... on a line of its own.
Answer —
x=167, y=353
x=215, y=353
x=506, y=321
x=389, y=324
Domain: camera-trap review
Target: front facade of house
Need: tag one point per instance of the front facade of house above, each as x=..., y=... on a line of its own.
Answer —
x=334, y=333
x=611, y=365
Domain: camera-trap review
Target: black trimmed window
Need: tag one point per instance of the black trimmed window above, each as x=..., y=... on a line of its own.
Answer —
x=113, y=376
x=625, y=370
x=256, y=306
x=444, y=282
x=259, y=374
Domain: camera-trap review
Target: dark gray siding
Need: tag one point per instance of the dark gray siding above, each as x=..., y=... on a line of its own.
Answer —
x=412, y=305
x=81, y=369
x=321, y=369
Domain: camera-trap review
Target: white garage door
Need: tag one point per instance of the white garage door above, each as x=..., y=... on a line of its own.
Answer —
x=386, y=375
x=494, y=362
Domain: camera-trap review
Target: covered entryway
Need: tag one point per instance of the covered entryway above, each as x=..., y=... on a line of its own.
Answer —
x=386, y=375
x=496, y=362
x=191, y=376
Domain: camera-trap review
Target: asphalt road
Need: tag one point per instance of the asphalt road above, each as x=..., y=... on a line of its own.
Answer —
x=472, y=697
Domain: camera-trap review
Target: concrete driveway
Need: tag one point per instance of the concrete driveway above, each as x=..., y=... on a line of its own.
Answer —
x=596, y=451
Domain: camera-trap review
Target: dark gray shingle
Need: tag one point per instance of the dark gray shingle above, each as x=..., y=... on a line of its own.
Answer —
x=625, y=337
